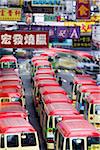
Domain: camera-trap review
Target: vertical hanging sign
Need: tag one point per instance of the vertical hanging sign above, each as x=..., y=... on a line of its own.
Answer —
x=83, y=9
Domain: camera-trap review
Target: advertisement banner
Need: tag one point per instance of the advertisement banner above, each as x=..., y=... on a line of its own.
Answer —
x=45, y=2
x=83, y=9
x=49, y=17
x=57, y=32
x=83, y=41
x=15, y=2
x=21, y=39
x=35, y=9
x=68, y=32
x=10, y=14
x=84, y=26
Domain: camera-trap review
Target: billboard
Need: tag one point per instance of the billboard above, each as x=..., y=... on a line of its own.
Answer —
x=45, y=2
x=85, y=27
x=21, y=39
x=11, y=2
x=10, y=14
x=83, y=9
x=58, y=33
x=83, y=41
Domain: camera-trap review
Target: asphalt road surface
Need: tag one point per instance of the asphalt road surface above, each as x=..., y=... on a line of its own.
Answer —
x=24, y=68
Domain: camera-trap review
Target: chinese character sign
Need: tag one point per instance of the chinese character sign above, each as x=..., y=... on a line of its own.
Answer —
x=45, y=2
x=83, y=41
x=12, y=14
x=83, y=9
x=23, y=39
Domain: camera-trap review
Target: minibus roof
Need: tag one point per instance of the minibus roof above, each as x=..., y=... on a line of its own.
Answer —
x=7, y=86
x=8, y=70
x=56, y=98
x=52, y=89
x=45, y=82
x=48, y=53
x=10, y=83
x=10, y=79
x=4, y=78
x=12, y=109
x=39, y=58
x=60, y=109
x=11, y=95
x=42, y=63
x=10, y=90
x=15, y=125
x=84, y=81
x=89, y=88
x=8, y=58
x=44, y=76
x=45, y=71
x=83, y=54
x=94, y=98
x=77, y=128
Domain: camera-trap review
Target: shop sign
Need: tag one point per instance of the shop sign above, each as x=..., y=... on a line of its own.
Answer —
x=83, y=9
x=15, y=2
x=45, y=2
x=50, y=17
x=68, y=32
x=36, y=9
x=83, y=41
x=10, y=14
x=84, y=26
x=23, y=39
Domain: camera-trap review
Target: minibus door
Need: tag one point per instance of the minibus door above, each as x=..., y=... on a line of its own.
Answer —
x=90, y=114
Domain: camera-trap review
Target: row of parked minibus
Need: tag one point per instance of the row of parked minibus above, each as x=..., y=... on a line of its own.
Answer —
x=16, y=133
x=67, y=124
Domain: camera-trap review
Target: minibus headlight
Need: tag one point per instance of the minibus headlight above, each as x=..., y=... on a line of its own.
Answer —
x=13, y=99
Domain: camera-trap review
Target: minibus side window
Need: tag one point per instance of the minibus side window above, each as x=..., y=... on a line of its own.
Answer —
x=78, y=144
x=28, y=139
x=91, y=109
x=2, y=142
x=67, y=144
x=50, y=122
x=12, y=141
x=97, y=109
x=60, y=144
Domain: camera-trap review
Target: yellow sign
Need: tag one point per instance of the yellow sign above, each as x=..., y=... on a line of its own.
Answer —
x=84, y=26
x=10, y=14
x=95, y=17
x=83, y=10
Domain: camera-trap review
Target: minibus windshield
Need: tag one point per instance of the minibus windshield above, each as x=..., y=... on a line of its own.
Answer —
x=28, y=139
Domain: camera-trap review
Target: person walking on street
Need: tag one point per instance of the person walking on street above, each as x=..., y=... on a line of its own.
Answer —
x=60, y=81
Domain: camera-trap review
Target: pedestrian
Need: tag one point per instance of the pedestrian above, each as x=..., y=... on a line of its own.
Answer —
x=60, y=81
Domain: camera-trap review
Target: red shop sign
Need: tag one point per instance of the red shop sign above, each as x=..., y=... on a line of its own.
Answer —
x=21, y=39
x=83, y=9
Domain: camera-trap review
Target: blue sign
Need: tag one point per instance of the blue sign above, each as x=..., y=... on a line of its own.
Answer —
x=45, y=2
